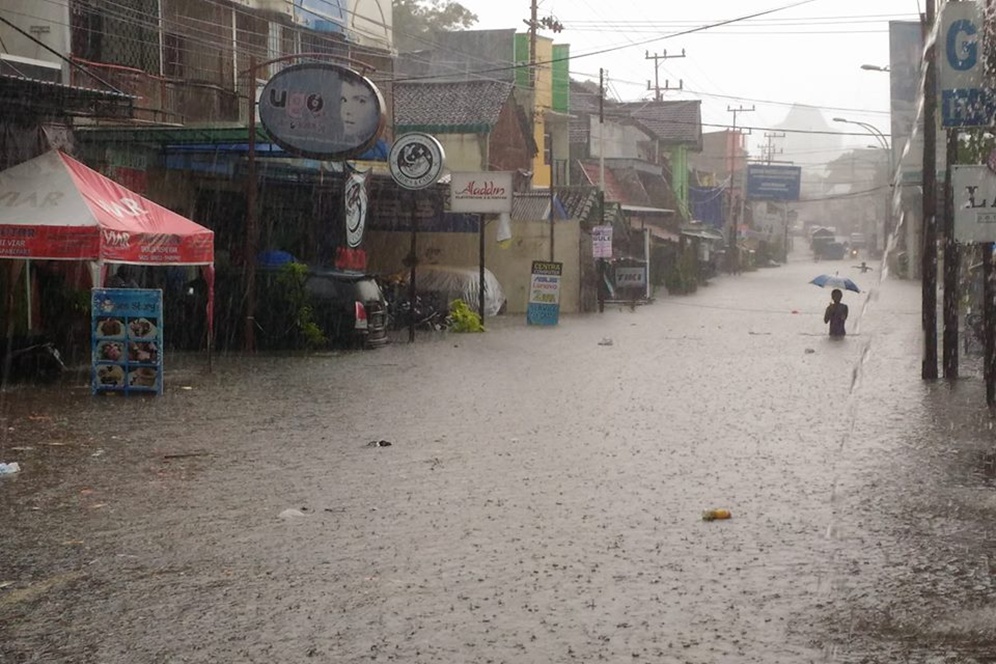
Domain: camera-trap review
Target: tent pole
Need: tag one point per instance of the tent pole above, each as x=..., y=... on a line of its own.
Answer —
x=27, y=291
x=209, y=273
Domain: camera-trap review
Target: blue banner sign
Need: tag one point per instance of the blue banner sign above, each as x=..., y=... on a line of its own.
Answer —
x=544, y=293
x=773, y=183
x=127, y=340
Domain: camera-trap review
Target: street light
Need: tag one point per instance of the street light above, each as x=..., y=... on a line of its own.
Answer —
x=884, y=143
x=871, y=129
x=875, y=67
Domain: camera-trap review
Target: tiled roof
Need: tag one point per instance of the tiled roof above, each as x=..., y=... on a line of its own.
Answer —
x=674, y=122
x=466, y=106
x=613, y=190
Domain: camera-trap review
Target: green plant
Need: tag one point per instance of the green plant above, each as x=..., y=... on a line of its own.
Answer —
x=464, y=318
x=304, y=330
x=683, y=277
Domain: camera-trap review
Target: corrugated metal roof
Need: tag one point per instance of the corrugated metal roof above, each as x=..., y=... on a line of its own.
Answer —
x=20, y=93
x=535, y=206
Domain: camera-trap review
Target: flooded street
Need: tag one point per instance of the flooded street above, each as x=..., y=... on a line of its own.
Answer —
x=540, y=501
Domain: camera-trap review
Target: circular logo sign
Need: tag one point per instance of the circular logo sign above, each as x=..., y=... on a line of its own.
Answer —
x=322, y=111
x=416, y=160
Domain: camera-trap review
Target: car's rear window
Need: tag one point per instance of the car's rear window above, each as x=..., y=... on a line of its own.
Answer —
x=367, y=289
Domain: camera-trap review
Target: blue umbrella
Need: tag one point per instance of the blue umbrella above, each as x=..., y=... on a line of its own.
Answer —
x=835, y=281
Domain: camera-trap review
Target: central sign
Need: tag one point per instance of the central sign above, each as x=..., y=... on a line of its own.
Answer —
x=322, y=111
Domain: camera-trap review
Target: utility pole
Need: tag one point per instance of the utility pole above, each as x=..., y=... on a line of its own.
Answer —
x=601, y=131
x=734, y=259
x=657, y=81
x=768, y=151
x=928, y=259
x=533, y=27
x=951, y=264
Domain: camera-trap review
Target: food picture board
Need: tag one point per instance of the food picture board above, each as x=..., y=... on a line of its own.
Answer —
x=127, y=340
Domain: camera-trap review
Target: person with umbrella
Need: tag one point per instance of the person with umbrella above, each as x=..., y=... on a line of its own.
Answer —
x=836, y=314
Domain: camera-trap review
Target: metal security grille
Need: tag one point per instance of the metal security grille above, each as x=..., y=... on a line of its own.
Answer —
x=116, y=32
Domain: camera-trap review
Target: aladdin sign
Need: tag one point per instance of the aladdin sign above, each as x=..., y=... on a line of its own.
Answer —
x=322, y=111
x=481, y=193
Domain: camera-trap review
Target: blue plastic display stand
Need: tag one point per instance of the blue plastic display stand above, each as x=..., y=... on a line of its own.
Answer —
x=127, y=340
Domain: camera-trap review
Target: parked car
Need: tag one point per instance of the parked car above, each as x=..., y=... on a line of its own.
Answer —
x=348, y=306
x=450, y=282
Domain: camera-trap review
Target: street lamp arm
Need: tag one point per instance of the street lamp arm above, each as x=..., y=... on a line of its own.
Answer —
x=870, y=128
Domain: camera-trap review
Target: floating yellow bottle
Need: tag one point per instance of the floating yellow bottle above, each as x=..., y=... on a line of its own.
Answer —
x=713, y=515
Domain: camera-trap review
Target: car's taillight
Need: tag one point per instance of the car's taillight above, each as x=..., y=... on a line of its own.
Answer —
x=361, y=316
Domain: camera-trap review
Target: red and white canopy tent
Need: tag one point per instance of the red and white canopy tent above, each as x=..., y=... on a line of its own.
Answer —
x=53, y=207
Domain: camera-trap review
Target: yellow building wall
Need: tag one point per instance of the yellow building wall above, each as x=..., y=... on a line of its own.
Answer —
x=542, y=102
x=530, y=241
x=464, y=152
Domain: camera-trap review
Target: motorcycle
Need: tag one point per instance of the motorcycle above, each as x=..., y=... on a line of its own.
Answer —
x=32, y=358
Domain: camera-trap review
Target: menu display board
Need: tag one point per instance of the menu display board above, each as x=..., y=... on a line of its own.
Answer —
x=127, y=336
x=544, y=293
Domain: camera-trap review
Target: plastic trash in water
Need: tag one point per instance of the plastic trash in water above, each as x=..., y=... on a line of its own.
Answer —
x=716, y=514
x=606, y=341
x=9, y=468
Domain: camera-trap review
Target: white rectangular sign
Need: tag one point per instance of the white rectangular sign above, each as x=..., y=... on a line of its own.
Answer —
x=481, y=193
x=974, y=203
x=629, y=277
x=601, y=241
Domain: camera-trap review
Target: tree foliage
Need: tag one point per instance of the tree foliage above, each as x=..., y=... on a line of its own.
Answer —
x=417, y=22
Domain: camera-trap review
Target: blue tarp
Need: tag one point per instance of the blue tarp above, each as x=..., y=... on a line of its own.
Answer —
x=707, y=205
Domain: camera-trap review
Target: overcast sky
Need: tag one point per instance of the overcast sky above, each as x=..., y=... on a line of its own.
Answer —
x=806, y=52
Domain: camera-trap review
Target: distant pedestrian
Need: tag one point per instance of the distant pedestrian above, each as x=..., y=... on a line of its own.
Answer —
x=836, y=314
x=123, y=278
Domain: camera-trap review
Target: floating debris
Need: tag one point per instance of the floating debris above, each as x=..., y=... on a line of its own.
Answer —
x=716, y=514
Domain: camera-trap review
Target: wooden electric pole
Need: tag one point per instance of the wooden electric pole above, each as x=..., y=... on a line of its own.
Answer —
x=734, y=259
x=657, y=68
x=928, y=258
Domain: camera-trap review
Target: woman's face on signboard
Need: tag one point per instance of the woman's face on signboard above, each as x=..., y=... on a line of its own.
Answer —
x=358, y=110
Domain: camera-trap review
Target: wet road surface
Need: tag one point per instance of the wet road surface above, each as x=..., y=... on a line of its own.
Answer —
x=541, y=499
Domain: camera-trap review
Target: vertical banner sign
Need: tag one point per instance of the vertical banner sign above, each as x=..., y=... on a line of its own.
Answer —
x=966, y=100
x=544, y=293
x=127, y=340
x=355, y=198
x=601, y=241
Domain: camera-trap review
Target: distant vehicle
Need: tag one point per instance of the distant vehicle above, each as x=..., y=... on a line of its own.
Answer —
x=858, y=241
x=833, y=251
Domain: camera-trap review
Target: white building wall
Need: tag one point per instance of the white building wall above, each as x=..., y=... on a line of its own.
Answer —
x=48, y=22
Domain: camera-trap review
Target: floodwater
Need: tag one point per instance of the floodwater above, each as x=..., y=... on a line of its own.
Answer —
x=541, y=499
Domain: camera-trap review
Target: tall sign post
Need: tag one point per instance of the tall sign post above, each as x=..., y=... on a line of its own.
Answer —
x=965, y=101
x=481, y=193
x=317, y=110
x=416, y=162
x=974, y=204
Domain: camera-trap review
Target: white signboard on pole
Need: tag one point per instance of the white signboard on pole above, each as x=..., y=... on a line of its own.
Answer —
x=481, y=193
x=974, y=203
x=966, y=100
x=601, y=241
